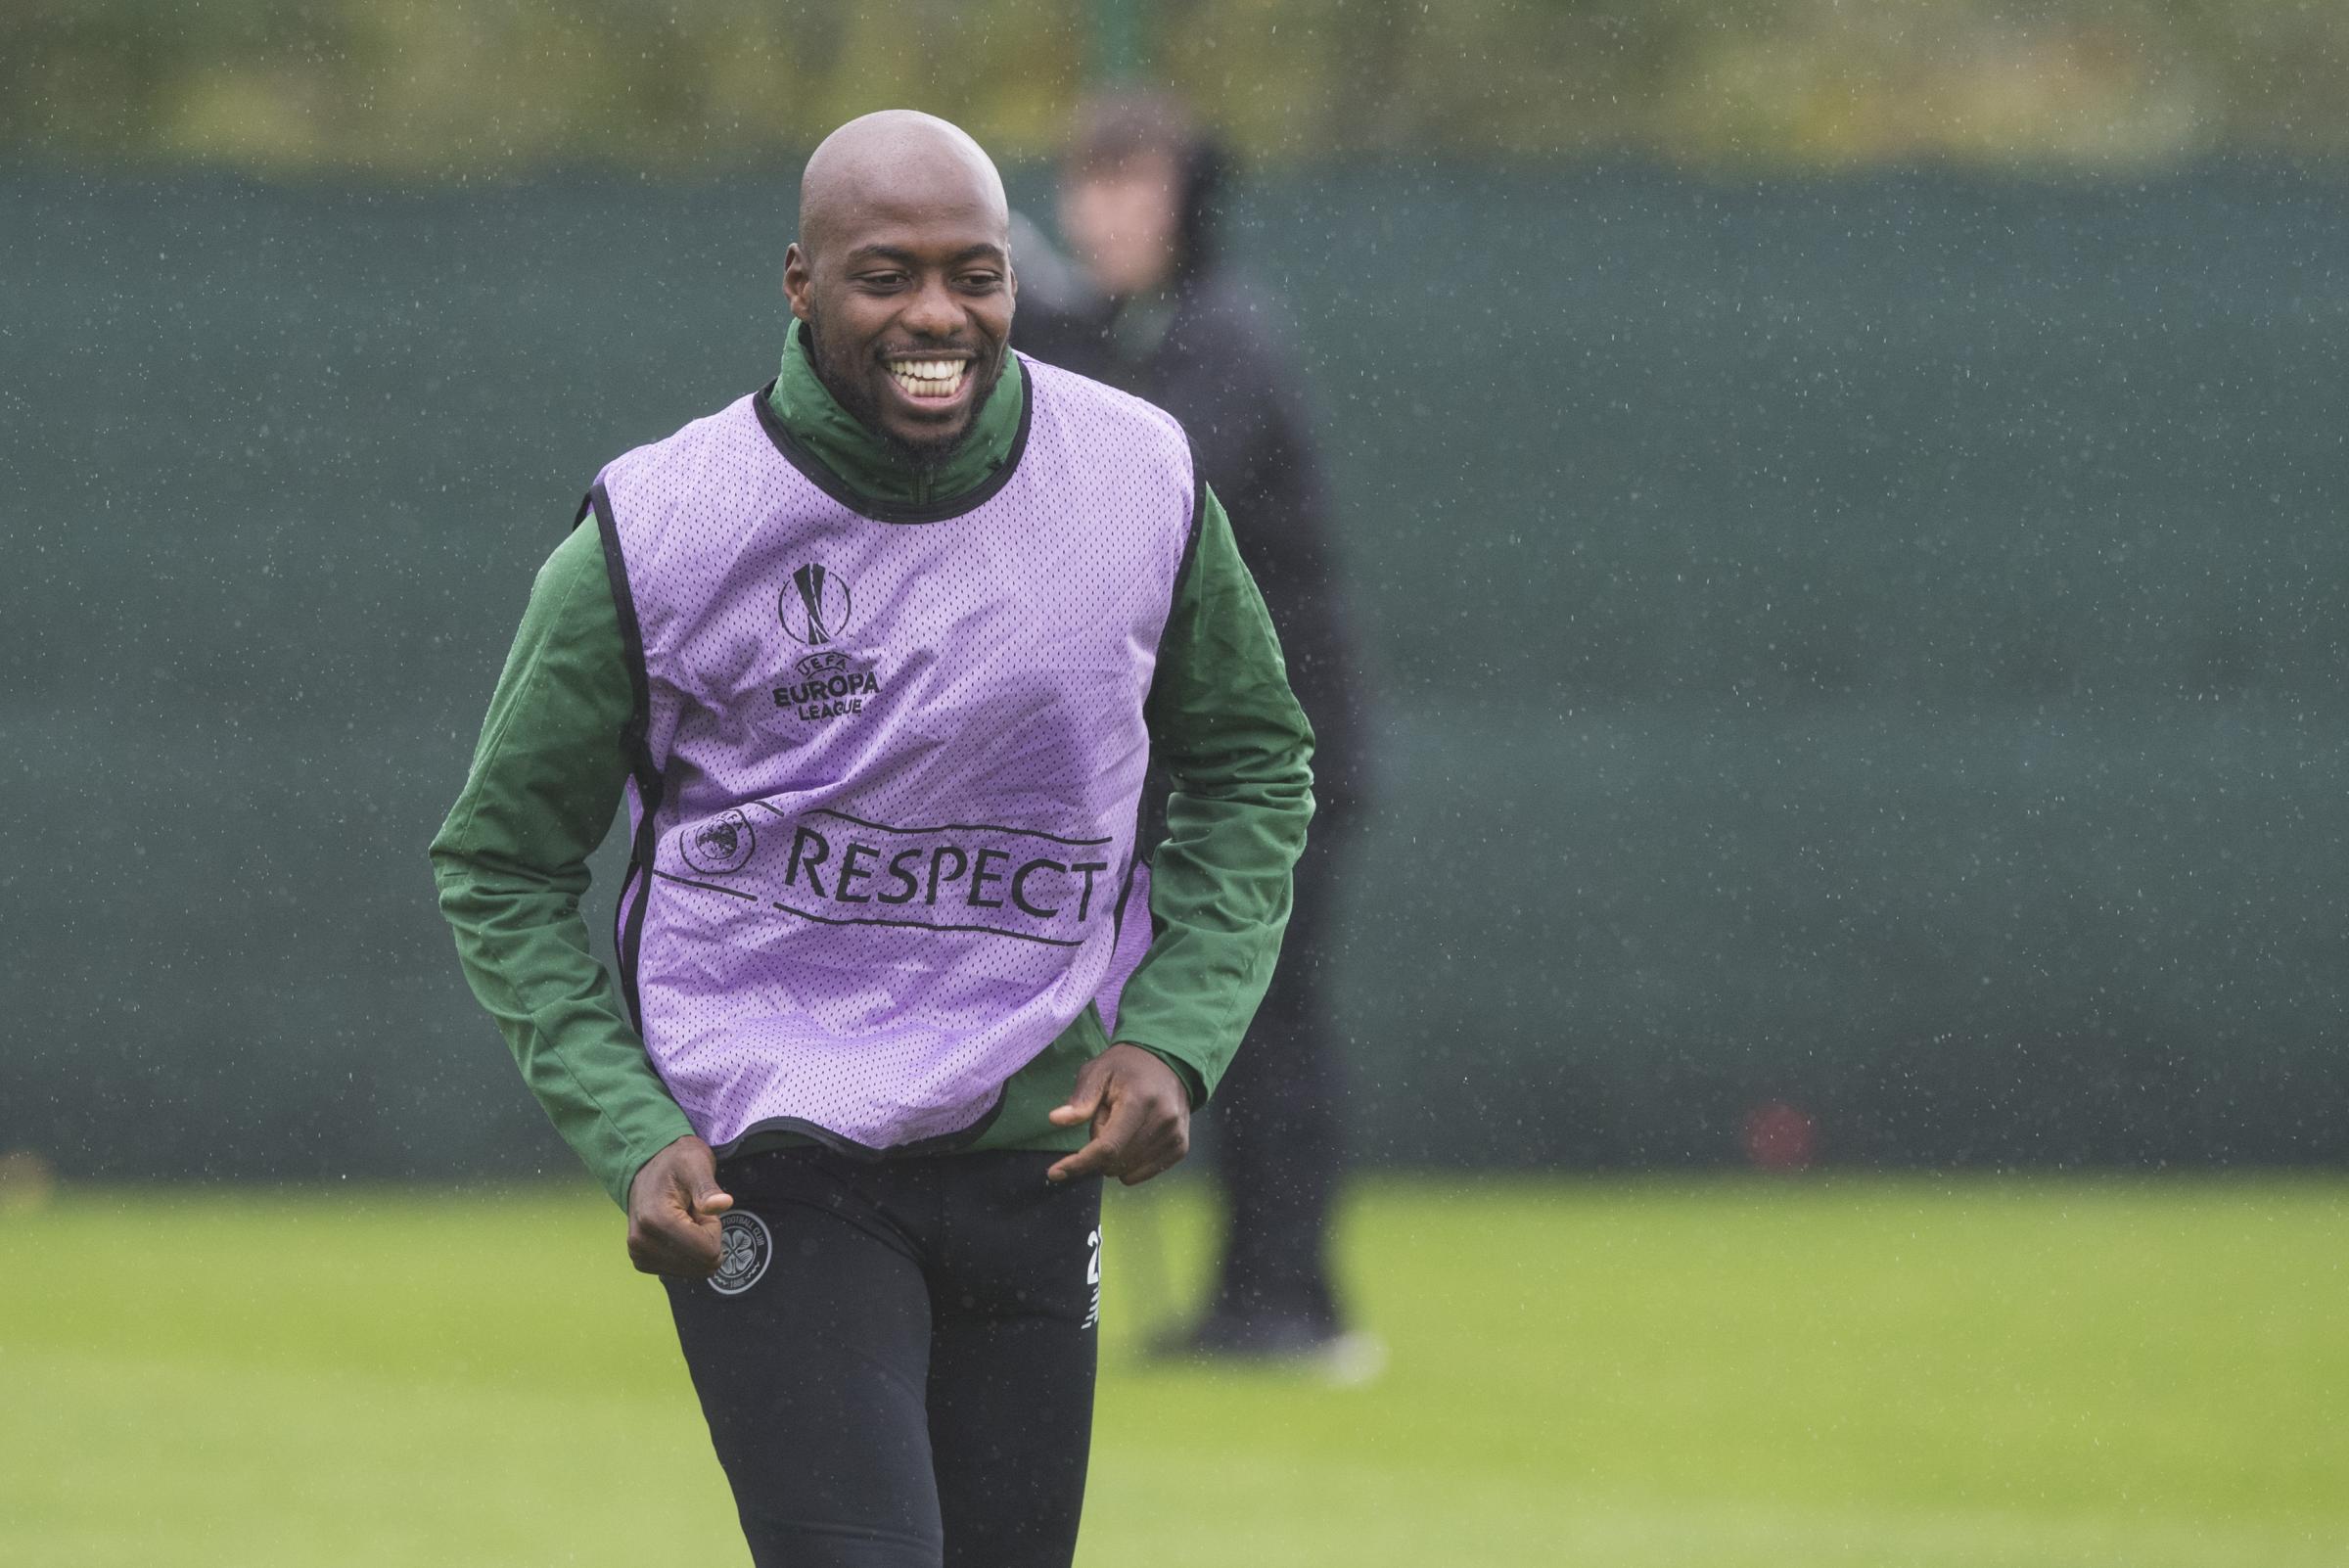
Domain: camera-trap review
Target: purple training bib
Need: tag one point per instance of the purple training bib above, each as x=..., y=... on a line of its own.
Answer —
x=886, y=788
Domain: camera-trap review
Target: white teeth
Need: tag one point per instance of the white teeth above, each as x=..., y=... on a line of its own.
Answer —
x=930, y=378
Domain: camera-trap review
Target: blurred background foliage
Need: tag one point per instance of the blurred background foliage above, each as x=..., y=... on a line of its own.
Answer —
x=443, y=88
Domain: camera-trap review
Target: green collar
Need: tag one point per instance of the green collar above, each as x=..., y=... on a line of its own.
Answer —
x=866, y=464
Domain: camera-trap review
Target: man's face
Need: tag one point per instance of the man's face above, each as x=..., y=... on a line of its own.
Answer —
x=1121, y=221
x=909, y=301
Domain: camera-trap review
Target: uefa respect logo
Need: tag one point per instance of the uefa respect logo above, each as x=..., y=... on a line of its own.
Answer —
x=719, y=845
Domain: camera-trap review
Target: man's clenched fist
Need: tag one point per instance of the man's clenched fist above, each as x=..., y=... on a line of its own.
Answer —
x=673, y=1209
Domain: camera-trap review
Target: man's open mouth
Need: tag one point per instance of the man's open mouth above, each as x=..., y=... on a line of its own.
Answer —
x=939, y=378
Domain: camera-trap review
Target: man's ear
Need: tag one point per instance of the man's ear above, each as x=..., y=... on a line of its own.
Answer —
x=796, y=280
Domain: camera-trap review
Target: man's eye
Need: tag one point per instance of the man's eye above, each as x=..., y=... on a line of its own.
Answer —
x=882, y=280
x=980, y=280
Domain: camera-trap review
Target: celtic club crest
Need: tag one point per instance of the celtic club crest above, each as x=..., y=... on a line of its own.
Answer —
x=743, y=1250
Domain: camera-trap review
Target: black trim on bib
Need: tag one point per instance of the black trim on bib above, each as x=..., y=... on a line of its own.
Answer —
x=1190, y=540
x=634, y=740
x=752, y=1136
x=1141, y=853
x=1117, y=918
x=820, y=475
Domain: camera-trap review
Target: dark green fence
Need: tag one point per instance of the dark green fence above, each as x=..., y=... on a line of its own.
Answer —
x=1872, y=644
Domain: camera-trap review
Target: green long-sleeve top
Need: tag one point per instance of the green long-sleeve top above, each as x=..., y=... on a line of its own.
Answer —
x=547, y=776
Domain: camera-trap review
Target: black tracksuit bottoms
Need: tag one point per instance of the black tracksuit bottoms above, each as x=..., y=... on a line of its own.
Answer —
x=896, y=1358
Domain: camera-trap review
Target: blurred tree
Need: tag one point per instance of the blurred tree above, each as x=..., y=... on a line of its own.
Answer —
x=439, y=88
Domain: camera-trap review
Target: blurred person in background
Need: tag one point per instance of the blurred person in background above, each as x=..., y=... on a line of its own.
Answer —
x=1168, y=319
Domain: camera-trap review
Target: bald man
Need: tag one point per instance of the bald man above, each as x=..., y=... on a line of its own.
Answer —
x=877, y=657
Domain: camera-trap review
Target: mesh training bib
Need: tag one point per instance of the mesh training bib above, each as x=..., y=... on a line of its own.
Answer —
x=887, y=765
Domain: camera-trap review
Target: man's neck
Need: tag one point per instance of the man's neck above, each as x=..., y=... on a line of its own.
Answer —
x=877, y=469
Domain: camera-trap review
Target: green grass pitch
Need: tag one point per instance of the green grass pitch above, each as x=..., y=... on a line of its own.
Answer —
x=1856, y=1372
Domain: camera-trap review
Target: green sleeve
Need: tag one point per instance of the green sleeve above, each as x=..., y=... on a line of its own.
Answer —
x=511, y=863
x=1238, y=753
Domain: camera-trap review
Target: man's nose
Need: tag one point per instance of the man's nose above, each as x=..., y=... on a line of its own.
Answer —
x=933, y=311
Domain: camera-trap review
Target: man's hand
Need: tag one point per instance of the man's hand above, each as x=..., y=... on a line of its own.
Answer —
x=1141, y=1117
x=673, y=1205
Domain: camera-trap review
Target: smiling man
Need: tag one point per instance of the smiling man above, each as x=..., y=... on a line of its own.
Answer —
x=877, y=658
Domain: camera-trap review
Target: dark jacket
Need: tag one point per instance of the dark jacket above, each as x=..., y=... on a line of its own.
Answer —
x=1211, y=354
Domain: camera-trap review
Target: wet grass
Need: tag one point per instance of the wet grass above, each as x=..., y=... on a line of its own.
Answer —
x=1978, y=1374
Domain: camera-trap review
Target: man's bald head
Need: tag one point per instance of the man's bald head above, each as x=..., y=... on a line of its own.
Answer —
x=902, y=276
x=897, y=164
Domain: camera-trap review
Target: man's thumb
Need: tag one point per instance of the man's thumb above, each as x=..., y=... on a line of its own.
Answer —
x=710, y=1198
